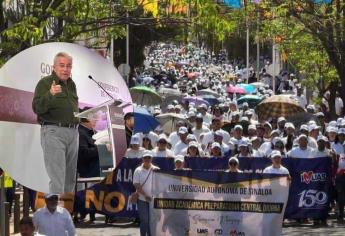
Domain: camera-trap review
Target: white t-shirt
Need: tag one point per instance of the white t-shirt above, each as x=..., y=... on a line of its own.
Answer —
x=174, y=138
x=139, y=177
x=166, y=153
x=56, y=224
x=337, y=147
x=179, y=148
x=338, y=105
x=312, y=142
x=130, y=153
x=272, y=170
x=209, y=137
x=197, y=132
x=325, y=153
x=299, y=153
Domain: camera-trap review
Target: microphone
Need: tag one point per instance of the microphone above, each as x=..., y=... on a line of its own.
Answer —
x=91, y=78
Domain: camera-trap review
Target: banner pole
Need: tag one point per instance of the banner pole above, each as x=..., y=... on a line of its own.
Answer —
x=2, y=205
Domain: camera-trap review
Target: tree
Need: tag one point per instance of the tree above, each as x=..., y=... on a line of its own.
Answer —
x=324, y=26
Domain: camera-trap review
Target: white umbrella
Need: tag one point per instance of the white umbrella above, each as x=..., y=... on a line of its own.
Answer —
x=169, y=120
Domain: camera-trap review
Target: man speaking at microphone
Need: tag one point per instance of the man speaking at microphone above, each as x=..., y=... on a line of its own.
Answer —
x=55, y=101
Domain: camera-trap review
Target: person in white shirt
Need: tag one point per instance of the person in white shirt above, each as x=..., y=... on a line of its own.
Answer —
x=303, y=150
x=234, y=166
x=174, y=137
x=216, y=150
x=314, y=131
x=202, y=108
x=243, y=148
x=135, y=151
x=336, y=139
x=339, y=105
x=162, y=150
x=340, y=187
x=53, y=220
x=199, y=127
x=322, y=150
x=142, y=181
x=209, y=138
x=182, y=144
x=276, y=167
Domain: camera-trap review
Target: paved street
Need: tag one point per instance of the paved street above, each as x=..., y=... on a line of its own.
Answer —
x=101, y=229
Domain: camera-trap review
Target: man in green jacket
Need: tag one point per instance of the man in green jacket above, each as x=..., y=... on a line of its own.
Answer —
x=55, y=102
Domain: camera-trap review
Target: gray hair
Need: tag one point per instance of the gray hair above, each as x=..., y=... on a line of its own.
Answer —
x=62, y=54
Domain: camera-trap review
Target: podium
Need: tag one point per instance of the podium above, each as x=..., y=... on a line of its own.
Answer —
x=111, y=134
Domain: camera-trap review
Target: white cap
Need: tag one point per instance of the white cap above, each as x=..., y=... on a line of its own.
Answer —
x=190, y=114
x=191, y=137
x=280, y=119
x=275, y=153
x=234, y=159
x=170, y=107
x=147, y=153
x=243, y=143
x=182, y=130
x=135, y=140
x=332, y=129
x=253, y=127
x=162, y=137
x=268, y=124
x=332, y=123
x=313, y=127
x=304, y=127
x=289, y=125
x=238, y=127
x=193, y=144
x=214, y=145
x=341, y=131
x=302, y=136
x=321, y=137
x=49, y=195
x=179, y=158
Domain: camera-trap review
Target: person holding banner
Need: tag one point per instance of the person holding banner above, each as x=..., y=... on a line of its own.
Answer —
x=276, y=167
x=142, y=181
x=55, y=102
x=233, y=165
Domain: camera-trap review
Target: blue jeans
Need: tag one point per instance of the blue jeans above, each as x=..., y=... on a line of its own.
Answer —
x=144, y=216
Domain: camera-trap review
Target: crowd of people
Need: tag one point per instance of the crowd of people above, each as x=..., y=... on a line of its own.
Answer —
x=227, y=129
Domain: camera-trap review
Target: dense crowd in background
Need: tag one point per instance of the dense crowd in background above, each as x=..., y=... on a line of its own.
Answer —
x=225, y=128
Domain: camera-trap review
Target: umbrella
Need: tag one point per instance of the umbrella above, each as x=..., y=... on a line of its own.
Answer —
x=145, y=96
x=169, y=120
x=233, y=89
x=196, y=100
x=143, y=121
x=193, y=75
x=169, y=91
x=252, y=100
x=247, y=87
x=258, y=84
x=278, y=105
x=207, y=92
x=212, y=100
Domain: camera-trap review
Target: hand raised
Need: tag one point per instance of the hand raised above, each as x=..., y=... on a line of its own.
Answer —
x=55, y=88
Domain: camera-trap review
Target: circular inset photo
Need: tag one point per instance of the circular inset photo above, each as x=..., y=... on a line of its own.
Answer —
x=61, y=117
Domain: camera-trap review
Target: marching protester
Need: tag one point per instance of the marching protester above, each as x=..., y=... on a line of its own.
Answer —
x=276, y=167
x=234, y=165
x=52, y=219
x=142, y=180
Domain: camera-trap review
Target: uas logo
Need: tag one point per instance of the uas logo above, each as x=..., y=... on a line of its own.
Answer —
x=237, y=233
x=310, y=176
x=202, y=231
